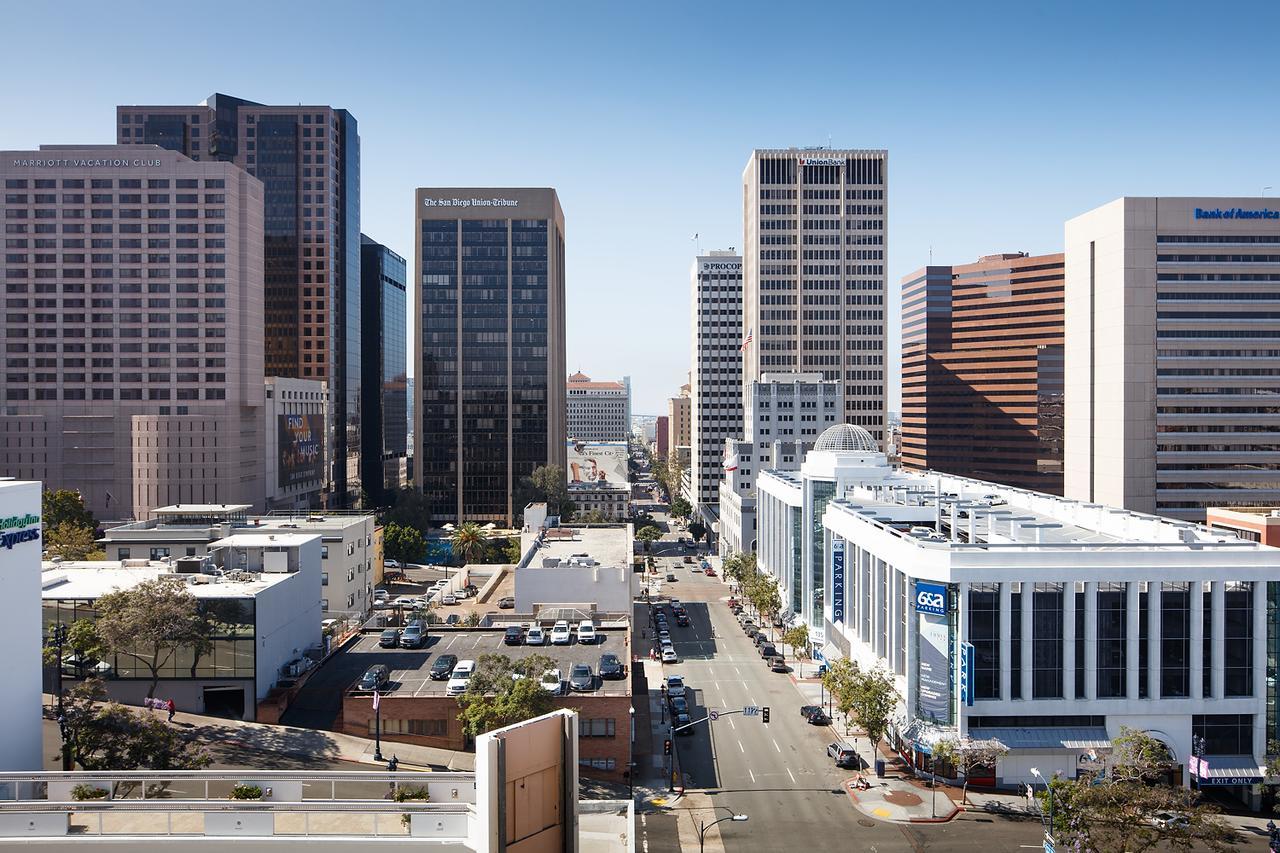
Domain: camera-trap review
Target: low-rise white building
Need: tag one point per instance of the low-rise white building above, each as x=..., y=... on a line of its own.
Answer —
x=262, y=593
x=1043, y=622
x=583, y=568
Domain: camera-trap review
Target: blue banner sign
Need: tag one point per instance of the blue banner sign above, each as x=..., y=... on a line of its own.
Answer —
x=931, y=598
x=837, y=580
x=966, y=674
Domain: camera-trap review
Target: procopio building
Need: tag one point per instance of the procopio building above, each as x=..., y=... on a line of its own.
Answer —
x=814, y=278
x=489, y=345
x=132, y=335
x=1172, y=348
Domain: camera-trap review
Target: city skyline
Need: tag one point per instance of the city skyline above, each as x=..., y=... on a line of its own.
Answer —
x=1080, y=139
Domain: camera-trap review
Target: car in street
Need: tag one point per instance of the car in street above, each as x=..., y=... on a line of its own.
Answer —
x=552, y=682
x=506, y=602
x=389, y=639
x=669, y=655
x=449, y=599
x=586, y=632
x=688, y=559
x=679, y=610
x=778, y=663
x=535, y=636
x=844, y=756
x=710, y=572
x=375, y=677
x=815, y=715
x=442, y=668
x=682, y=620
x=664, y=635
x=581, y=678
x=610, y=668
x=460, y=677
x=679, y=720
x=679, y=704
x=671, y=578
x=705, y=565
x=768, y=650
x=513, y=636
x=675, y=685
x=560, y=634
x=414, y=636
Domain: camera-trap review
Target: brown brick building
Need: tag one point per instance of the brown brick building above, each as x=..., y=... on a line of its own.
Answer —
x=982, y=362
x=416, y=710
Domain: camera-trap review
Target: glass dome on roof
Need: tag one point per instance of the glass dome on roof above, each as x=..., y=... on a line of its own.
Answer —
x=847, y=437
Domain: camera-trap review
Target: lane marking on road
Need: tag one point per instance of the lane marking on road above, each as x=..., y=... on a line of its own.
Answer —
x=792, y=775
x=775, y=746
x=753, y=776
x=732, y=726
x=741, y=747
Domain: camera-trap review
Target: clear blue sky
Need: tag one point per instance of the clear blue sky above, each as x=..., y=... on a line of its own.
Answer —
x=1001, y=121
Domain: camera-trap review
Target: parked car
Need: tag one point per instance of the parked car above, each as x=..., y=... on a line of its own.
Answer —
x=471, y=590
x=375, y=677
x=389, y=639
x=380, y=596
x=535, y=636
x=679, y=720
x=506, y=602
x=453, y=619
x=669, y=655
x=679, y=704
x=664, y=635
x=413, y=637
x=705, y=564
x=815, y=715
x=391, y=564
x=768, y=650
x=460, y=677
x=758, y=639
x=560, y=635
x=581, y=678
x=675, y=685
x=513, y=636
x=449, y=599
x=443, y=667
x=552, y=682
x=610, y=667
x=586, y=632
x=778, y=663
x=844, y=756
x=410, y=601
x=751, y=630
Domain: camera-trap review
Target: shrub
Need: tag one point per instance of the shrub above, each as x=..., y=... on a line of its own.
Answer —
x=84, y=792
x=406, y=793
x=246, y=792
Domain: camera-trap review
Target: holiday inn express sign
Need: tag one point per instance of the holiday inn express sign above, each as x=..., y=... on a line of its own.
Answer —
x=16, y=529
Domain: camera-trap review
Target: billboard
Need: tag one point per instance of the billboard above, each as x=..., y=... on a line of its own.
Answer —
x=933, y=670
x=301, y=443
x=597, y=462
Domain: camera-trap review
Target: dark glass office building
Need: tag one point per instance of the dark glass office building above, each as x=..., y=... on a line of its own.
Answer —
x=308, y=159
x=489, y=347
x=384, y=362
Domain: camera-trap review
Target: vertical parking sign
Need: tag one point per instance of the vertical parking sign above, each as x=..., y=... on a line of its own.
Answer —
x=837, y=580
x=966, y=674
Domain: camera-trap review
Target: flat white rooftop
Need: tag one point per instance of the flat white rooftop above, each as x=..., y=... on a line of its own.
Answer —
x=608, y=546
x=93, y=579
x=263, y=540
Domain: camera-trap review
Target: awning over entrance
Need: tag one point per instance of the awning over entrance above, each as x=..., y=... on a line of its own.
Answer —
x=922, y=735
x=1231, y=770
x=1048, y=738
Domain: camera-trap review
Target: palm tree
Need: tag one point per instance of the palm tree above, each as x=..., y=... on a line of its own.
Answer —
x=468, y=541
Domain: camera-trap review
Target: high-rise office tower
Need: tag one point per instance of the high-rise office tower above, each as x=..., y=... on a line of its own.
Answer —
x=489, y=339
x=814, y=272
x=598, y=410
x=308, y=159
x=715, y=411
x=132, y=338
x=1171, y=331
x=982, y=370
x=384, y=362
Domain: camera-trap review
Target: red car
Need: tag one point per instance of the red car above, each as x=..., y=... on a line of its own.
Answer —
x=711, y=572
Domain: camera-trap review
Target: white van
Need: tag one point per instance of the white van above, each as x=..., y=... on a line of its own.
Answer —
x=459, y=678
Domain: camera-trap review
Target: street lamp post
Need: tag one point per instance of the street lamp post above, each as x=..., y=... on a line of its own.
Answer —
x=1049, y=790
x=377, y=727
x=702, y=831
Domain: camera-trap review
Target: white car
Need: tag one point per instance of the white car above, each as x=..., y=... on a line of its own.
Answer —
x=449, y=600
x=669, y=655
x=380, y=596
x=535, y=636
x=408, y=601
x=664, y=635
x=552, y=682
x=560, y=634
x=675, y=685
x=586, y=632
x=391, y=564
x=459, y=678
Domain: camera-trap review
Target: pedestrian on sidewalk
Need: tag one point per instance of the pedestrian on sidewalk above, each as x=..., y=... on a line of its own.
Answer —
x=172, y=707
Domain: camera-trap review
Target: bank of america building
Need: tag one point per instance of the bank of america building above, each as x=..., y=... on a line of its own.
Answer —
x=1044, y=622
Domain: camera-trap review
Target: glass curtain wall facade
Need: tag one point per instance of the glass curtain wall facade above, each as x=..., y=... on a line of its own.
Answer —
x=384, y=362
x=489, y=302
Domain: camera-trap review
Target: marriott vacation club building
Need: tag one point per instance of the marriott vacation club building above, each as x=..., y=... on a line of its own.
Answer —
x=1045, y=622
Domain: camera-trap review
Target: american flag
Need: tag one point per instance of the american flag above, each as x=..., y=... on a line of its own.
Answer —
x=746, y=341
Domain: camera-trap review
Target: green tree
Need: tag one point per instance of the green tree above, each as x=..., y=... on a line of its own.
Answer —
x=873, y=699
x=967, y=754
x=408, y=508
x=72, y=542
x=82, y=643
x=697, y=529
x=1117, y=815
x=65, y=506
x=841, y=681
x=661, y=472
x=595, y=516
x=112, y=737
x=680, y=508
x=648, y=534
x=503, y=692
x=797, y=637
x=468, y=542
x=550, y=485
x=151, y=622
x=1139, y=757
x=403, y=544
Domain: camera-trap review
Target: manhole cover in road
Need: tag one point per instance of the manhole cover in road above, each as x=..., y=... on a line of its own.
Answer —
x=864, y=822
x=902, y=798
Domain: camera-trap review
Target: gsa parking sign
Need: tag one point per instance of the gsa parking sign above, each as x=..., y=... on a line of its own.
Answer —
x=931, y=598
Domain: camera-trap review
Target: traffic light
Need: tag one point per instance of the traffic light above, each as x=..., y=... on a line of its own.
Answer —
x=666, y=746
x=764, y=713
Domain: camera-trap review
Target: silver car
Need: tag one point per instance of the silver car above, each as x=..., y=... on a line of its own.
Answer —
x=581, y=678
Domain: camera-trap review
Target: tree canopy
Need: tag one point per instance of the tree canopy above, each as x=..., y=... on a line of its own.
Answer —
x=403, y=544
x=468, y=542
x=408, y=509
x=502, y=692
x=150, y=622
x=872, y=701
x=112, y=737
x=72, y=542
x=681, y=508
x=697, y=529
x=65, y=506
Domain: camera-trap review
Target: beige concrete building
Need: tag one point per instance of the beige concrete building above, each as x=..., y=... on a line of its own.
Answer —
x=489, y=345
x=814, y=280
x=679, y=421
x=132, y=333
x=598, y=410
x=1172, y=323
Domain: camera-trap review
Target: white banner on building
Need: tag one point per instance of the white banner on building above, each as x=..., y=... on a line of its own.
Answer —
x=933, y=681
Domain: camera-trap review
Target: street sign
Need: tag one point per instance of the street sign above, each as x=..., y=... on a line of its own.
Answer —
x=750, y=711
x=714, y=715
x=1048, y=843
